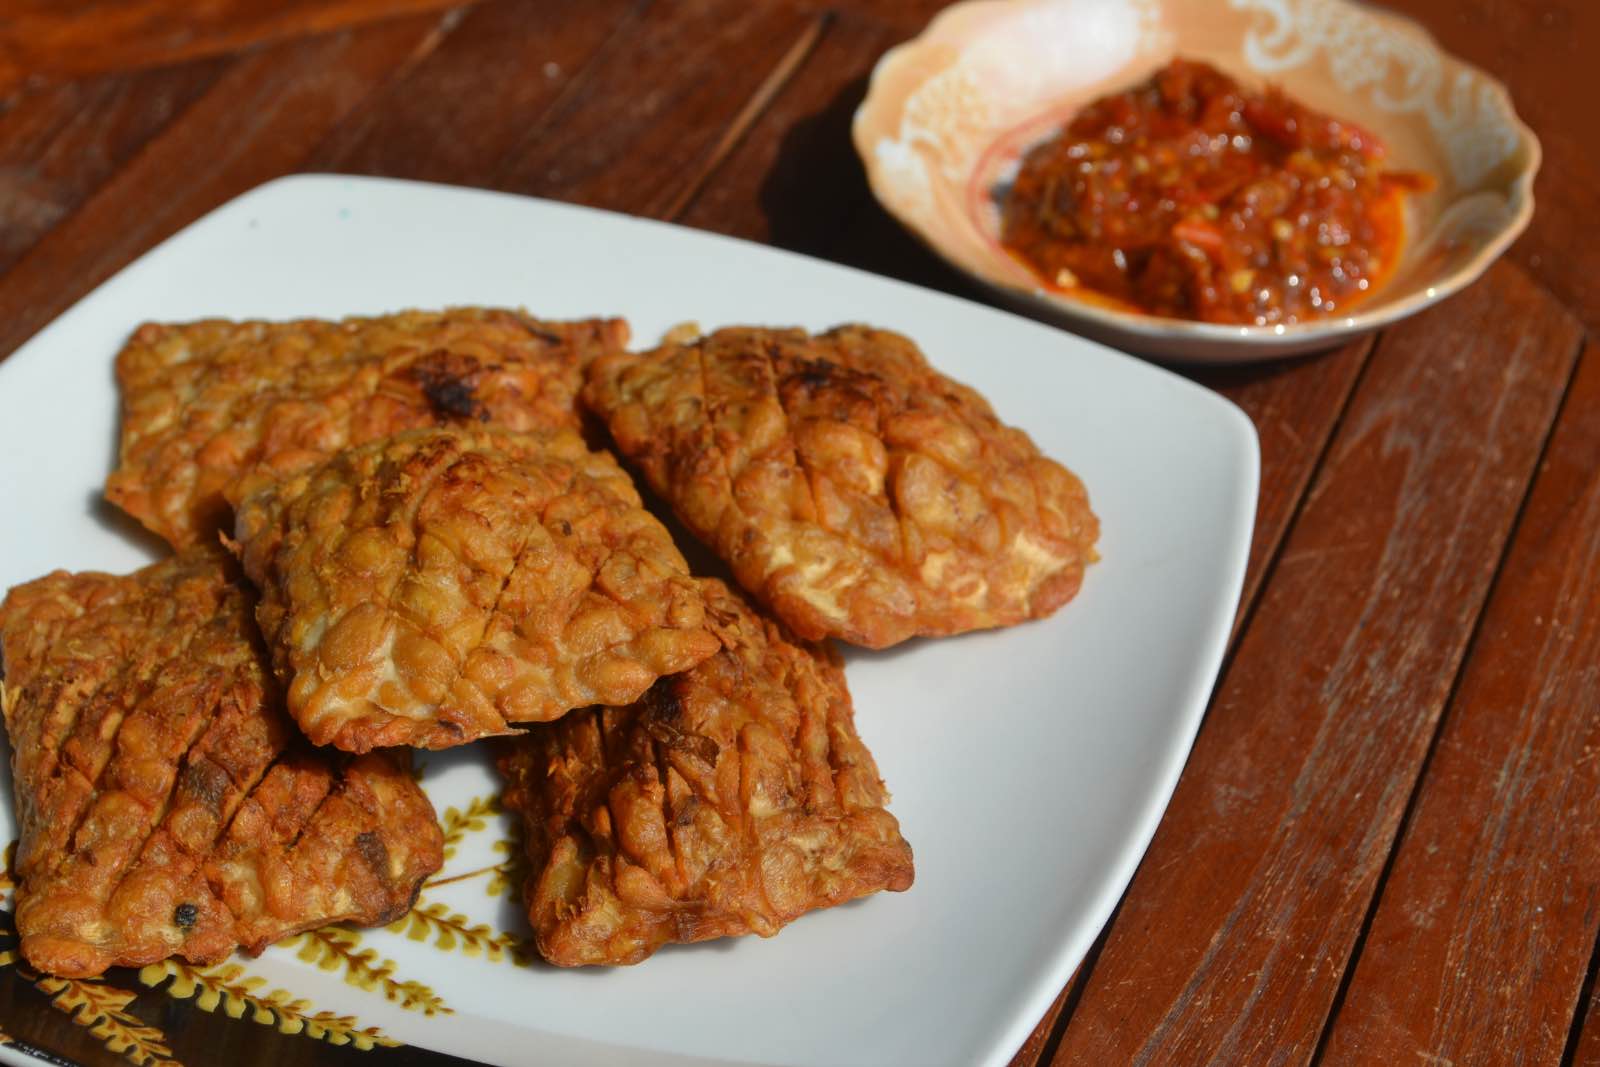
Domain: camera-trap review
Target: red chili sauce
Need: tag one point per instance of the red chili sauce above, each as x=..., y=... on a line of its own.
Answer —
x=1189, y=197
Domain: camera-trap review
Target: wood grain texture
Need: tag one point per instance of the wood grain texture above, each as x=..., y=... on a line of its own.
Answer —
x=1238, y=925
x=56, y=39
x=258, y=121
x=1585, y=1042
x=458, y=114
x=1038, y=1042
x=1294, y=407
x=1239, y=928
x=640, y=124
x=1482, y=936
x=1544, y=52
x=58, y=143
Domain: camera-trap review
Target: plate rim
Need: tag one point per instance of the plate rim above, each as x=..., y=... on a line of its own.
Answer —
x=1050, y=975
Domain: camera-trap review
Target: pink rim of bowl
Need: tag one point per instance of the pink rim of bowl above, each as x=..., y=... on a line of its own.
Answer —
x=948, y=114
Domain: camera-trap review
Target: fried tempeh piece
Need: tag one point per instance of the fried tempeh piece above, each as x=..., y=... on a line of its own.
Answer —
x=432, y=587
x=168, y=806
x=732, y=799
x=853, y=488
x=204, y=401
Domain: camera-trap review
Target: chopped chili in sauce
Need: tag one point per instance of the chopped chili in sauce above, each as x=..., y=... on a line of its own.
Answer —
x=1190, y=197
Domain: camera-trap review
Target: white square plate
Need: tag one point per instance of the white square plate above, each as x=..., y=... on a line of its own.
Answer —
x=1029, y=766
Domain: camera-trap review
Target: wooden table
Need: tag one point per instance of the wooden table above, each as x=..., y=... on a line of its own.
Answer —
x=1386, y=846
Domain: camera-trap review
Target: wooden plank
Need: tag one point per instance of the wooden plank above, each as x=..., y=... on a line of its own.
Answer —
x=642, y=123
x=1236, y=929
x=800, y=155
x=54, y=39
x=1544, y=52
x=1038, y=1042
x=1486, y=924
x=257, y=122
x=1295, y=407
x=457, y=115
x=58, y=143
x=1585, y=1040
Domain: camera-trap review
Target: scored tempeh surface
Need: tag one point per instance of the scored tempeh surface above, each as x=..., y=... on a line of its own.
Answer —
x=203, y=402
x=167, y=804
x=731, y=799
x=429, y=588
x=854, y=489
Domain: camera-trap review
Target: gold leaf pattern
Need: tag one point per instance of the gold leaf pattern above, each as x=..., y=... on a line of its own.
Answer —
x=511, y=875
x=457, y=822
x=103, y=1009
x=238, y=994
x=91, y=1003
x=335, y=948
x=451, y=930
x=504, y=877
x=7, y=882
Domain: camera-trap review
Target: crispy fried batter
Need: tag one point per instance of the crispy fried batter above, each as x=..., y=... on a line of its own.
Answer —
x=849, y=485
x=429, y=588
x=168, y=806
x=732, y=799
x=204, y=401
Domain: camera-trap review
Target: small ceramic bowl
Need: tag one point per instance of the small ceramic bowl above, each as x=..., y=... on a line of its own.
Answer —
x=949, y=115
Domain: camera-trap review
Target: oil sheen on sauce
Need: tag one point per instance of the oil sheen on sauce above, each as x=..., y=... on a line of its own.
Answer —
x=1188, y=196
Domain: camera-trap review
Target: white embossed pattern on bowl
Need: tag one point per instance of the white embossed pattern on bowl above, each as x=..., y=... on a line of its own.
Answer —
x=949, y=114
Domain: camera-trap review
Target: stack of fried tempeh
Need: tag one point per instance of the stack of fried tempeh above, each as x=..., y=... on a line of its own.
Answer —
x=431, y=554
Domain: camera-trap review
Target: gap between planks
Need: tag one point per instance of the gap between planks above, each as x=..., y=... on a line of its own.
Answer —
x=780, y=76
x=290, y=112
x=1253, y=595
x=1409, y=811
x=1586, y=1013
x=1408, y=441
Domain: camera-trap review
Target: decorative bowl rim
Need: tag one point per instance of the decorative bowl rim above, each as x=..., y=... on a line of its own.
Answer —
x=1362, y=318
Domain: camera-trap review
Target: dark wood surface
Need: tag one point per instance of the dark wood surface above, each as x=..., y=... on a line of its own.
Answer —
x=1385, y=847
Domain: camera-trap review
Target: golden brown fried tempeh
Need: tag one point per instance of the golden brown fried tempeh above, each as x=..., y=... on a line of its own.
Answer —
x=731, y=799
x=854, y=489
x=429, y=588
x=204, y=401
x=168, y=805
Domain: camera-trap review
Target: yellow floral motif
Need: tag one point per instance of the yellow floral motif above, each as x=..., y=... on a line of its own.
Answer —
x=456, y=823
x=510, y=875
x=505, y=877
x=451, y=930
x=93, y=1004
x=239, y=995
x=227, y=986
x=103, y=1009
x=334, y=948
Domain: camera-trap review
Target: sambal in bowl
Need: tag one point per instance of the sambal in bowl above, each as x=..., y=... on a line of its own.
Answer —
x=1198, y=180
